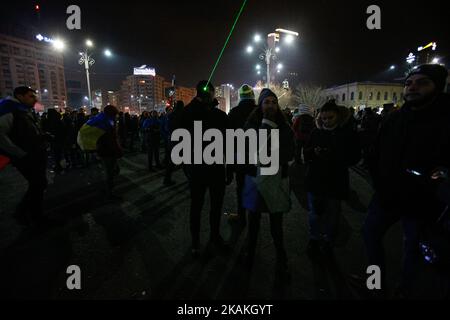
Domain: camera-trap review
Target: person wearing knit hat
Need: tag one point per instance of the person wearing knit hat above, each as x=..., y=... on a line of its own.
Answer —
x=304, y=109
x=246, y=93
x=435, y=72
x=412, y=143
x=237, y=118
x=269, y=194
x=424, y=83
x=265, y=93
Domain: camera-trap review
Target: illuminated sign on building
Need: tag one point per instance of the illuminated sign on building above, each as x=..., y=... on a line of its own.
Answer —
x=144, y=71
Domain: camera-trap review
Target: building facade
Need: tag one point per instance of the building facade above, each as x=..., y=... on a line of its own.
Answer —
x=101, y=98
x=138, y=93
x=229, y=94
x=33, y=64
x=361, y=95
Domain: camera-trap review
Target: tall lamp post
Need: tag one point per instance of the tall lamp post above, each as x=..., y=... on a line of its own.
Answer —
x=87, y=60
x=268, y=53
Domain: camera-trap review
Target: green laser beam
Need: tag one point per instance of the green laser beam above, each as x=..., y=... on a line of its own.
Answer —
x=224, y=46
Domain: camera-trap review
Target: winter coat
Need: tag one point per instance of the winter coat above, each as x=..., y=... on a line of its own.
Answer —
x=20, y=132
x=327, y=174
x=411, y=141
x=211, y=118
x=108, y=145
x=253, y=197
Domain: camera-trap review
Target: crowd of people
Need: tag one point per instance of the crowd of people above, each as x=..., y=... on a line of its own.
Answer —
x=406, y=151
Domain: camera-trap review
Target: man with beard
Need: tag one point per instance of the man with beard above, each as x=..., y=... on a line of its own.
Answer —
x=413, y=144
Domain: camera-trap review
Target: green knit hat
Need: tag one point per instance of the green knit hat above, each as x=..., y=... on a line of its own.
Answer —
x=246, y=92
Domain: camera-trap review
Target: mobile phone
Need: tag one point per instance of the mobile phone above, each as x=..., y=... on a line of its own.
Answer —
x=414, y=172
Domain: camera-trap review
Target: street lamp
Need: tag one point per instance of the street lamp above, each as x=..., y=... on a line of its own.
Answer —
x=268, y=52
x=87, y=60
x=392, y=67
x=58, y=44
x=289, y=39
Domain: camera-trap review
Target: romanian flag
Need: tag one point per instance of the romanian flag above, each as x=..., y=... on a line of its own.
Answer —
x=92, y=130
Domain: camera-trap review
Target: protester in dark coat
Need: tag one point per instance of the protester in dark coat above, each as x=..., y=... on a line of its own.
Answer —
x=23, y=141
x=413, y=143
x=331, y=149
x=238, y=116
x=203, y=177
x=109, y=150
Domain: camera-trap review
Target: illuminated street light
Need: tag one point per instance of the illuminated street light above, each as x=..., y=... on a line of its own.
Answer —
x=89, y=43
x=268, y=52
x=58, y=44
x=108, y=53
x=257, y=38
x=279, y=66
x=289, y=39
x=435, y=60
x=392, y=67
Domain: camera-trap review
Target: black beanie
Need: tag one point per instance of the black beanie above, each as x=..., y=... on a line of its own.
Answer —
x=437, y=73
x=264, y=94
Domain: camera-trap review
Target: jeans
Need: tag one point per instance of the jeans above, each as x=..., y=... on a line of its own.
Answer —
x=32, y=204
x=323, y=217
x=198, y=187
x=377, y=223
x=111, y=170
x=276, y=230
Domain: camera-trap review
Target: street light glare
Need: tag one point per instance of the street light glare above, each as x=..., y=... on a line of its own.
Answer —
x=289, y=39
x=58, y=44
x=89, y=43
x=249, y=49
x=392, y=67
x=258, y=67
x=279, y=66
x=435, y=60
x=257, y=38
x=108, y=53
x=277, y=49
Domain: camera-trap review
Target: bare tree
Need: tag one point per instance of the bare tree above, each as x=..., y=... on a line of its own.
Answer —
x=284, y=96
x=310, y=95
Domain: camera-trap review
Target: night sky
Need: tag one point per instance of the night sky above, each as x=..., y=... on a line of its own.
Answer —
x=185, y=38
